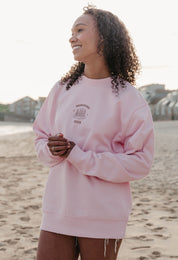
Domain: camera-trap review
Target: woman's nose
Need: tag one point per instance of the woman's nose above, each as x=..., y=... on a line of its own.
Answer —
x=72, y=39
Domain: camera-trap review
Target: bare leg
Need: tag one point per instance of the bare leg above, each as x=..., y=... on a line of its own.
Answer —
x=98, y=249
x=54, y=246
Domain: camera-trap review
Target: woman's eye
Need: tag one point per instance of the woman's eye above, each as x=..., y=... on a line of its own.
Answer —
x=77, y=31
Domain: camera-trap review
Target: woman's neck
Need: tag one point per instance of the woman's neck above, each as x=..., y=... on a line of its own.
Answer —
x=96, y=70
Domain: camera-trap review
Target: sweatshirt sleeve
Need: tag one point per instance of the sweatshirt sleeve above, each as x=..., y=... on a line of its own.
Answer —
x=42, y=128
x=135, y=160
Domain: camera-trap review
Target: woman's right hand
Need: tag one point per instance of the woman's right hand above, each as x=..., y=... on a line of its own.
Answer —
x=58, y=145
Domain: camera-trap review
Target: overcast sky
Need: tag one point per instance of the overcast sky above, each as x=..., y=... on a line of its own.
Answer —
x=35, y=51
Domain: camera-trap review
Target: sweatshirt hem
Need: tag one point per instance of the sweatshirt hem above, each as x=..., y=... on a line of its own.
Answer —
x=83, y=227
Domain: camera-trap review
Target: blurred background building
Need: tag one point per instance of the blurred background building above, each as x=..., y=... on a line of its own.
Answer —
x=163, y=103
x=22, y=110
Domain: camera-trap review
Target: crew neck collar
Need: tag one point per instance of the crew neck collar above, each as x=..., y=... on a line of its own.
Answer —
x=93, y=80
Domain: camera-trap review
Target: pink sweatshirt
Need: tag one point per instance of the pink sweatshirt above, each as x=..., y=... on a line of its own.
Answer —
x=88, y=194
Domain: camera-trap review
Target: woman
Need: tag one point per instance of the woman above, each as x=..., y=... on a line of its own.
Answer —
x=95, y=133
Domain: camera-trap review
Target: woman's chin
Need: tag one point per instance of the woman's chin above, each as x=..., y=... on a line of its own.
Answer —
x=77, y=58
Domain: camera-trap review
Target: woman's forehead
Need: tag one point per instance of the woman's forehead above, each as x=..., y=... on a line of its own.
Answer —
x=84, y=19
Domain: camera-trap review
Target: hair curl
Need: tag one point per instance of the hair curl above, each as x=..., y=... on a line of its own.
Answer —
x=116, y=46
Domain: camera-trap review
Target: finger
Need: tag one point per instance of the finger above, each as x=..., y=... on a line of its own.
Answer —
x=56, y=138
x=66, y=154
x=60, y=134
x=53, y=152
x=59, y=148
x=61, y=153
x=56, y=143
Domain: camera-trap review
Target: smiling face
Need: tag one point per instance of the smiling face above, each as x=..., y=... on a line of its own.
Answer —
x=84, y=40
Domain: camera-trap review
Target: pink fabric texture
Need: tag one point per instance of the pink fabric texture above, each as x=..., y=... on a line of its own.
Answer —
x=88, y=194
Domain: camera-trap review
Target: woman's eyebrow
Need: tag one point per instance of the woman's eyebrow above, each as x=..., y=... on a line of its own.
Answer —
x=78, y=24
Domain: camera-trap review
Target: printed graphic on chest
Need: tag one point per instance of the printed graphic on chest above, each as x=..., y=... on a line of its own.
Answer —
x=80, y=113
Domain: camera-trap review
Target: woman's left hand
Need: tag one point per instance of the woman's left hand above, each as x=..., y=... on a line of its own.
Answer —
x=60, y=146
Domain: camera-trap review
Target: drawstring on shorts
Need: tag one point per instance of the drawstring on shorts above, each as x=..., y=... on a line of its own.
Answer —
x=115, y=248
x=106, y=242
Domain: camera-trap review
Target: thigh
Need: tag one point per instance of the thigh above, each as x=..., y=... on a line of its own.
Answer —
x=54, y=246
x=98, y=249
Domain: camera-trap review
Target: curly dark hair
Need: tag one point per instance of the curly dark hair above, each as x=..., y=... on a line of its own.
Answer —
x=117, y=48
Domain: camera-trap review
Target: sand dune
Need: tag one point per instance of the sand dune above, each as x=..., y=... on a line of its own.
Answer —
x=153, y=225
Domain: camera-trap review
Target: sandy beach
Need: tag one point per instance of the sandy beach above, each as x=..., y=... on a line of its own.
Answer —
x=152, y=231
